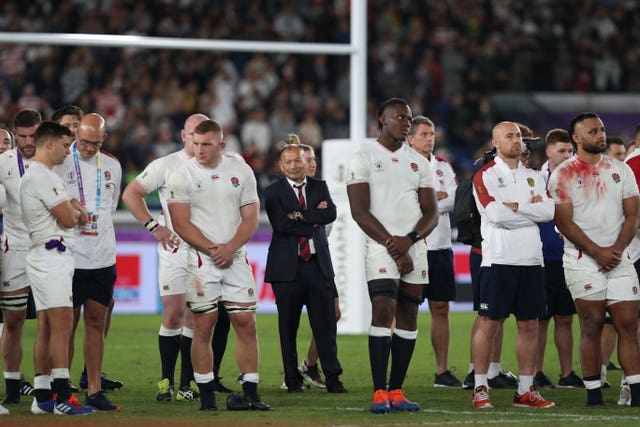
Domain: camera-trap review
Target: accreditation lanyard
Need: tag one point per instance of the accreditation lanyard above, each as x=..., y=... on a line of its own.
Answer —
x=20, y=163
x=76, y=164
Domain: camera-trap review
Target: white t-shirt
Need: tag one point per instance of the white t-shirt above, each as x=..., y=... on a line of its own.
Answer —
x=633, y=160
x=445, y=180
x=93, y=250
x=215, y=195
x=15, y=233
x=156, y=175
x=508, y=237
x=596, y=193
x=41, y=190
x=394, y=179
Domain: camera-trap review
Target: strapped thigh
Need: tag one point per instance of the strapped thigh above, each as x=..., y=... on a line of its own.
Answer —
x=14, y=302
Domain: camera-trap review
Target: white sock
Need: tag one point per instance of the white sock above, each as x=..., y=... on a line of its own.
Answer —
x=470, y=368
x=525, y=383
x=481, y=379
x=494, y=369
x=603, y=372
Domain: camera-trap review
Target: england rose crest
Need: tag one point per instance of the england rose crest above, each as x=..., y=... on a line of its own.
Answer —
x=414, y=167
x=235, y=181
x=616, y=178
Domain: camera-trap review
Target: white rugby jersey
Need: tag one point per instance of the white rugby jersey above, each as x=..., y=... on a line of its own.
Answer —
x=596, y=193
x=511, y=238
x=40, y=190
x=94, y=250
x=633, y=160
x=156, y=175
x=394, y=179
x=15, y=235
x=445, y=180
x=215, y=195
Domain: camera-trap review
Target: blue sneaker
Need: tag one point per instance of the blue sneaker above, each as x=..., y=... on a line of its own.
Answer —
x=69, y=408
x=398, y=402
x=380, y=402
x=40, y=408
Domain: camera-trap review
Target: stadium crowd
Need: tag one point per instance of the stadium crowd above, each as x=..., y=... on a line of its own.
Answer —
x=446, y=58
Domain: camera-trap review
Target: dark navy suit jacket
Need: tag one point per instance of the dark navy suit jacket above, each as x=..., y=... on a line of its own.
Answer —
x=281, y=199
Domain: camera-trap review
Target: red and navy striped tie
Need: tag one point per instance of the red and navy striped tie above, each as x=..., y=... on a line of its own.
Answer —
x=303, y=242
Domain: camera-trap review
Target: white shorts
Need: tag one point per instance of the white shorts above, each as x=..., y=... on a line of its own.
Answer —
x=172, y=270
x=208, y=283
x=583, y=279
x=50, y=273
x=380, y=265
x=14, y=276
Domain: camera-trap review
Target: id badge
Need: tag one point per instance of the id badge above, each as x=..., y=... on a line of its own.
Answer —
x=91, y=227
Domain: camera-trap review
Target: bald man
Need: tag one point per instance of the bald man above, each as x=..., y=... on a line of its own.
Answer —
x=93, y=177
x=511, y=199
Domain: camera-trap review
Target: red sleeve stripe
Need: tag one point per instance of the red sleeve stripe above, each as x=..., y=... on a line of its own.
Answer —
x=481, y=190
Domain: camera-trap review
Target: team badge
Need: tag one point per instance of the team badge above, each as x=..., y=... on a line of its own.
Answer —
x=414, y=167
x=215, y=177
x=235, y=181
x=616, y=178
x=107, y=175
x=531, y=182
x=439, y=172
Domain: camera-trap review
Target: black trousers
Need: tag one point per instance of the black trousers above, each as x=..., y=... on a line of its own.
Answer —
x=309, y=288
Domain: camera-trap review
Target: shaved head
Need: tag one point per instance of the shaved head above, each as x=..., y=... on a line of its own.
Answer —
x=91, y=134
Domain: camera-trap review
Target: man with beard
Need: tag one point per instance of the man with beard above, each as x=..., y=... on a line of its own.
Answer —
x=511, y=199
x=597, y=213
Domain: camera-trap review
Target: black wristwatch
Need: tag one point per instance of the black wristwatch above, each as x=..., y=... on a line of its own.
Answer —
x=297, y=215
x=414, y=236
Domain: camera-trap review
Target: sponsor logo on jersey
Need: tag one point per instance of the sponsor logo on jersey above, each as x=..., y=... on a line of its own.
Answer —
x=484, y=306
x=377, y=165
x=235, y=181
x=501, y=183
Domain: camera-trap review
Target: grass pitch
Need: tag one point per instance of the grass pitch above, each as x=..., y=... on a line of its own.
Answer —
x=132, y=356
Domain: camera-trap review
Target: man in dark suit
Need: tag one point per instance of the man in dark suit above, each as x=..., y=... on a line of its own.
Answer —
x=299, y=265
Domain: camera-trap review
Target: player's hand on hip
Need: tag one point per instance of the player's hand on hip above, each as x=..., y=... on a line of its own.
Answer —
x=167, y=238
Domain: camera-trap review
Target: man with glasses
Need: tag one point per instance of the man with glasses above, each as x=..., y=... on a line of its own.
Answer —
x=93, y=177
